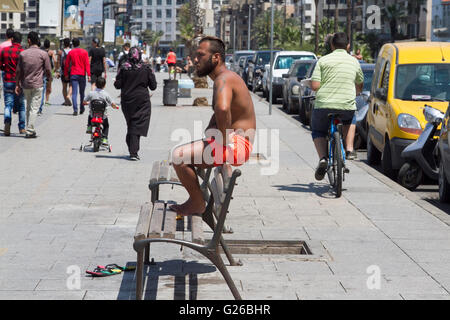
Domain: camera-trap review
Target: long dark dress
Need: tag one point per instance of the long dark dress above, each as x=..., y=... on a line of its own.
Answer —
x=135, y=99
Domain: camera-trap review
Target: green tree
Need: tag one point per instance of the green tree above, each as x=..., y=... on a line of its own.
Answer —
x=415, y=8
x=186, y=24
x=394, y=14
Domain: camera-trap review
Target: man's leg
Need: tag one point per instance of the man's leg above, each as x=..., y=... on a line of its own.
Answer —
x=43, y=96
x=9, y=103
x=19, y=102
x=183, y=158
x=74, y=83
x=82, y=84
x=35, y=99
x=319, y=128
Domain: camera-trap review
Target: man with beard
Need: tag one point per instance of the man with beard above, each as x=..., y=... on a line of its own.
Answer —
x=231, y=130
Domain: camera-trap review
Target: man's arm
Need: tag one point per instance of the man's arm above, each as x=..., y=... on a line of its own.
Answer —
x=66, y=65
x=223, y=95
x=359, y=81
x=18, y=75
x=47, y=67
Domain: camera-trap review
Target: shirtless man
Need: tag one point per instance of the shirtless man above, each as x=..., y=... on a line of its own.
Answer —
x=233, y=118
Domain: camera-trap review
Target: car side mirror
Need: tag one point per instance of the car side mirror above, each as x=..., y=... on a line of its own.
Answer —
x=285, y=76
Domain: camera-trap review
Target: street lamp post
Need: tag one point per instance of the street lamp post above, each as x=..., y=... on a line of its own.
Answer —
x=249, y=23
x=271, y=59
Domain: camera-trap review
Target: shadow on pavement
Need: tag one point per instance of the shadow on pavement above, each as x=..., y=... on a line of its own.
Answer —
x=322, y=190
x=179, y=269
x=112, y=157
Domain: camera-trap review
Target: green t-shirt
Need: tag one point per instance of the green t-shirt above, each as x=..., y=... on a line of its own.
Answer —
x=337, y=72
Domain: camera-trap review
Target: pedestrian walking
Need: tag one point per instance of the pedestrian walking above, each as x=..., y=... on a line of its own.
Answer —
x=97, y=59
x=77, y=62
x=60, y=69
x=5, y=44
x=47, y=84
x=9, y=58
x=32, y=67
x=189, y=67
x=158, y=63
x=123, y=56
x=133, y=79
x=171, y=62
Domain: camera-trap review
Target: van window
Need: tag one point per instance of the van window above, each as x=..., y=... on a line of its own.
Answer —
x=285, y=62
x=423, y=82
x=377, y=73
x=385, y=79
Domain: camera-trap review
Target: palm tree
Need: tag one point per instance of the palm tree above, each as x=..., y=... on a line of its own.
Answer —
x=349, y=19
x=414, y=7
x=394, y=13
x=187, y=32
x=336, y=15
x=316, y=28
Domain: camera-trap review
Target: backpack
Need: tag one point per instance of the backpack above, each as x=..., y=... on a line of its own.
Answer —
x=63, y=59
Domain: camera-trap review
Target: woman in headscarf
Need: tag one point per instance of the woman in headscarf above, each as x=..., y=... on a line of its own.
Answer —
x=134, y=78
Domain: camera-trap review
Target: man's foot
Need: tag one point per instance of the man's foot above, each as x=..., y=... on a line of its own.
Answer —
x=89, y=130
x=39, y=112
x=75, y=113
x=134, y=157
x=189, y=208
x=81, y=111
x=7, y=131
x=22, y=131
x=351, y=155
x=105, y=142
x=321, y=169
x=30, y=135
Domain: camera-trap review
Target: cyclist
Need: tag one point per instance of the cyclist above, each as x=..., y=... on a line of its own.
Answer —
x=337, y=78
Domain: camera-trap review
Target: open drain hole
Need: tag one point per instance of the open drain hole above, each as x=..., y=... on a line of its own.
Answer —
x=268, y=247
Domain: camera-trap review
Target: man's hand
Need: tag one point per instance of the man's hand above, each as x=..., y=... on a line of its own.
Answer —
x=105, y=75
x=89, y=78
x=115, y=106
x=17, y=90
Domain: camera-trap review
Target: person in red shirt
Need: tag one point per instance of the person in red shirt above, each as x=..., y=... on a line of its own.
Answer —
x=171, y=62
x=9, y=58
x=77, y=62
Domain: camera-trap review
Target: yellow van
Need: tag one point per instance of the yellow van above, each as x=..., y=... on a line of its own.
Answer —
x=407, y=76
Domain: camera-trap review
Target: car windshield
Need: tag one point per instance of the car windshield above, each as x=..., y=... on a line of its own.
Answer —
x=423, y=82
x=301, y=69
x=239, y=55
x=263, y=58
x=368, y=75
x=285, y=62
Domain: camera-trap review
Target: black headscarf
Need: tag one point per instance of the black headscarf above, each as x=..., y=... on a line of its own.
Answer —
x=134, y=60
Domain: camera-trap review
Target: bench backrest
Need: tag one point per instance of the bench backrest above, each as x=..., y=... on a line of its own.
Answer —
x=222, y=186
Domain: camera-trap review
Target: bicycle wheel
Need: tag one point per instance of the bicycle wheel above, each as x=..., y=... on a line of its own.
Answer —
x=331, y=172
x=338, y=164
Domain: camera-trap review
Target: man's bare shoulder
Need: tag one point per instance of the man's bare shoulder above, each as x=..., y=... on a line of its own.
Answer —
x=228, y=78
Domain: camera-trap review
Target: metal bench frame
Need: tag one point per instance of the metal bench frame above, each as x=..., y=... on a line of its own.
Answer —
x=221, y=189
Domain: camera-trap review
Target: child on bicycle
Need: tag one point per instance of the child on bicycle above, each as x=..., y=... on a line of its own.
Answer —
x=100, y=94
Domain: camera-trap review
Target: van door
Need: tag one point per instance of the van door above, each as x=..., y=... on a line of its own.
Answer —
x=373, y=117
x=382, y=112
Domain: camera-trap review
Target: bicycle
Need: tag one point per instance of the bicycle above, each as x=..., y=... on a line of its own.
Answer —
x=336, y=154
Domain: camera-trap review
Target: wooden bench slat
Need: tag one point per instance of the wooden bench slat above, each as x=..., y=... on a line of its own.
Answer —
x=143, y=222
x=170, y=222
x=197, y=229
x=157, y=220
x=155, y=172
x=164, y=171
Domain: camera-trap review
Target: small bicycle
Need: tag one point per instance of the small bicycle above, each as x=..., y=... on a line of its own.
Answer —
x=336, y=154
x=98, y=108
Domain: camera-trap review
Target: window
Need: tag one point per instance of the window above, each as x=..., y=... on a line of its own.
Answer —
x=168, y=27
x=158, y=14
x=158, y=26
x=32, y=14
x=149, y=13
x=285, y=62
x=385, y=79
x=169, y=2
x=139, y=2
x=159, y=2
x=168, y=13
x=3, y=18
x=149, y=2
x=149, y=25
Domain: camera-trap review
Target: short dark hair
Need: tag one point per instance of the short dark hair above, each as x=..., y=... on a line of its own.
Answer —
x=34, y=38
x=17, y=37
x=340, y=40
x=76, y=42
x=100, y=82
x=96, y=41
x=46, y=43
x=127, y=45
x=66, y=42
x=216, y=45
x=9, y=33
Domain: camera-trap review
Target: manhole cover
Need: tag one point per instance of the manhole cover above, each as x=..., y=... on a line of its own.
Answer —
x=268, y=247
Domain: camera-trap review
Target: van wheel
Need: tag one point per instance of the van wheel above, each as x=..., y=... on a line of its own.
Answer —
x=386, y=160
x=410, y=175
x=373, y=155
x=444, y=186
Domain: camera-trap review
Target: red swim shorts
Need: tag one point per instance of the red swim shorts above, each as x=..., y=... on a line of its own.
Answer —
x=236, y=153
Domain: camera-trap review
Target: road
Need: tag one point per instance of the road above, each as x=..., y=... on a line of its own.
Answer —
x=429, y=191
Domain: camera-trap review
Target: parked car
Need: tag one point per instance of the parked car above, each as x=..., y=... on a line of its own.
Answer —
x=282, y=62
x=444, y=158
x=244, y=72
x=306, y=97
x=235, y=60
x=241, y=66
x=291, y=85
x=406, y=75
x=362, y=106
x=256, y=69
x=228, y=57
